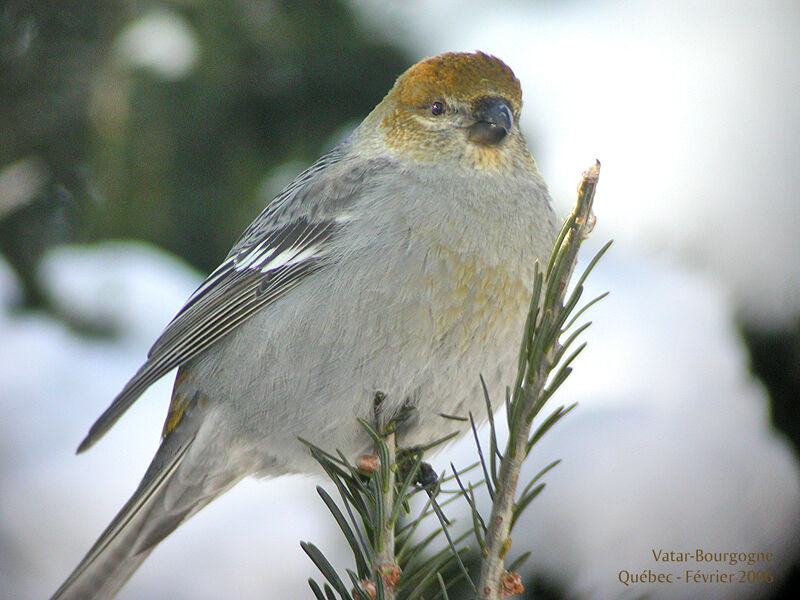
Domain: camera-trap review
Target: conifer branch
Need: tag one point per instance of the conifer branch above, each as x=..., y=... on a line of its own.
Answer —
x=540, y=354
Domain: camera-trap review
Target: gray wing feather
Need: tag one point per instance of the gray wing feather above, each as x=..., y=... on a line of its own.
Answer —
x=173, y=489
x=284, y=244
x=115, y=555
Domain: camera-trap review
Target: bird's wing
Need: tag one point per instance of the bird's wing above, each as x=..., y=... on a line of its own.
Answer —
x=289, y=240
x=114, y=557
x=178, y=483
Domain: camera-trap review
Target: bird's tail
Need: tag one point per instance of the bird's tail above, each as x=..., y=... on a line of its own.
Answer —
x=171, y=492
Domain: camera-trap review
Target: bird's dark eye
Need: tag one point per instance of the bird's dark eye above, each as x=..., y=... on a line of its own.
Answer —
x=437, y=108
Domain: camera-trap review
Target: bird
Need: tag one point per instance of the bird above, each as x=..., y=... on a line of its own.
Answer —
x=401, y=263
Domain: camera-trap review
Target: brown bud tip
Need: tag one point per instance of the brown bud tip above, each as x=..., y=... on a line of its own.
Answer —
x=390, y=573
x=368, y=464
x=592, y=174
x=369, y=589
x=510, y=585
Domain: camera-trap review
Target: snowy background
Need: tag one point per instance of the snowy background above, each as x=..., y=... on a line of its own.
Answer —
x=693, y=112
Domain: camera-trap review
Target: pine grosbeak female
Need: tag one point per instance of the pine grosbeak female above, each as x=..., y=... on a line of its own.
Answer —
x=401, y=263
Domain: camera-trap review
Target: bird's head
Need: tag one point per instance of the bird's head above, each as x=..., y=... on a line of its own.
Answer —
x=457, y=107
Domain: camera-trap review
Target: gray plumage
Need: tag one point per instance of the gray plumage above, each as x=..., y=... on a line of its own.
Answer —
x=375, y=270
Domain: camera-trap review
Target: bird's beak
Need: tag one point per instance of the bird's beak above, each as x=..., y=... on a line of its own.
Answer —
x=493, y=119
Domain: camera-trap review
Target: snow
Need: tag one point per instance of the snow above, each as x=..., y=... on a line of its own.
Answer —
x=160, y=41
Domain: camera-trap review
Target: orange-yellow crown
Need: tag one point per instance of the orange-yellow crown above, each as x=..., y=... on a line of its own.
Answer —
x=457, y=75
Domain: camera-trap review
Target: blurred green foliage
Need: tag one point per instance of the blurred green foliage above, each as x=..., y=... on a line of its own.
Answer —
x=98, y=143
